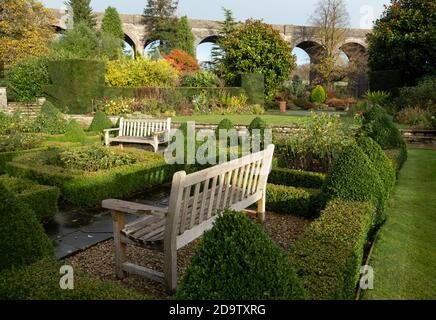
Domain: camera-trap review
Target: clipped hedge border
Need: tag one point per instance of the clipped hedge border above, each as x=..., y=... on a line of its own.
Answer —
x=40, y=281
x=328, y=256
x=6, y=157
x=286, y=199
x=296, y=178
x=43, y=200
x=87, y=189
x=398, y=157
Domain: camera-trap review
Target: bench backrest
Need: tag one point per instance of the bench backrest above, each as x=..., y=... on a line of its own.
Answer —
x=196, y=199
x=143, y=127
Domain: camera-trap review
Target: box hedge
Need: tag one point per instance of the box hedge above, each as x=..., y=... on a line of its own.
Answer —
x=296, y=178
x=84, y=80
x=83, y=188
x=380, y=162
x=353, y=177
x=236, y=260
x=40, y=281
x=6, y=157
x=100, y=122
x=329, y=254
x=298, y=201
x=22, y=238
x=397, y=157
x=43, y=200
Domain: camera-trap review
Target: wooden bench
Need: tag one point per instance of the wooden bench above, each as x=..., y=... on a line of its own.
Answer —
x=195, y=201
x=146, y=131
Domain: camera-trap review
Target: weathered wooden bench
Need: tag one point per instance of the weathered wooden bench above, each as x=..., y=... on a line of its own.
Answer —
x=146, y=131
x=195, y=201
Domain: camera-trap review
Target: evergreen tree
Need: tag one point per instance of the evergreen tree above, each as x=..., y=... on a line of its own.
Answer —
x=228, y=26
x=184, y=37
x=111, y=23
x=82, y=12
x=161, y=23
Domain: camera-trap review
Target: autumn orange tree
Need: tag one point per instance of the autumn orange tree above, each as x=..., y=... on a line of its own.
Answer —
x=182, y=61
x=25, y=30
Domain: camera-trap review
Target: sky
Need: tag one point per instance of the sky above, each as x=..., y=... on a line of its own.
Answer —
x=362, y=12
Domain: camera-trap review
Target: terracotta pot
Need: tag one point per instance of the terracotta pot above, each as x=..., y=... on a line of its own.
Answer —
x=282, y=106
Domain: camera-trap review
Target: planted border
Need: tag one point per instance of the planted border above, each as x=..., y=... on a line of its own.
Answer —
x=87, y=189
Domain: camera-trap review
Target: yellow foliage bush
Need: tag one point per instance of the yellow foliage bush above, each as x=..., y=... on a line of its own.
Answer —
x=140, y=73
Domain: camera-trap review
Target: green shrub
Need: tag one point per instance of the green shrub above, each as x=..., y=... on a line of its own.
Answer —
x=19, y=141
x=22, y=238
x=100, y=122
x=40, y=281
x=379, y=126
x=49, y=120
x=92, y=159
x=254, y=86
x=318, y=95
x=6, y=157
x=296, y=178
x=353, y=177
x=287, y=200
x=380, y=98
x=380, y=163
x=397, y=157
x=422, y=95
x=26, y=79
x=87, y=189
x=84, y=80
x=315, y=145
x=141, y=72
x=236, y=260
x=75, y=132
x=43, y=200
x=417, y=117
x=224, y=124
x=328, y=256
x=203, y=79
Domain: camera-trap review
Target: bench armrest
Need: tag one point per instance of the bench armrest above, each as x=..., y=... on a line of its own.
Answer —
x=156, y=133
x=132, y=207
x=110, y=130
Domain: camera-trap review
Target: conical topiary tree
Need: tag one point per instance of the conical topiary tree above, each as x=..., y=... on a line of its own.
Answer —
x=100, y=122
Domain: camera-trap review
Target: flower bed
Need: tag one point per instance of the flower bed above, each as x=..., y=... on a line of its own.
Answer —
x=43, y=200
x=85, y=188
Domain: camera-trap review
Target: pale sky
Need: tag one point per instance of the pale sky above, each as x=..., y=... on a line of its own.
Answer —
x=362, y=12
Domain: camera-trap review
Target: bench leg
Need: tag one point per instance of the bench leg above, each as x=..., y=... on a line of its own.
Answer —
x=155, y=143
x=170, y=268
x=261, y=208
x=120, y=248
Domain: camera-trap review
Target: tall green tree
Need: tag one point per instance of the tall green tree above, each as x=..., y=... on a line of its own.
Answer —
x=82, y=12
x=256, y=47
x=404, y=39
x=161, y=23
x=111, y=23
x=226, y=27
x=184, y=37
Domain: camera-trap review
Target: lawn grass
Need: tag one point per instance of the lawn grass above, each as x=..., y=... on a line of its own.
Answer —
x=404, y=256
x=272, y=118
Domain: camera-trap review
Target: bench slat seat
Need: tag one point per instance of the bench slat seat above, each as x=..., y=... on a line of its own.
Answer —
x=141, y=131
x=195, y=202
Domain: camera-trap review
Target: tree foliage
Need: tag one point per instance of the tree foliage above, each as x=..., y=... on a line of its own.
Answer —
x=404, y=38
x=25, y=30
x=228, y=26
x=256, y=47
x=184, y=37
x=111, y=23
x=161, y=23
x=182, y=61
x=82, y=12
x=331, y=22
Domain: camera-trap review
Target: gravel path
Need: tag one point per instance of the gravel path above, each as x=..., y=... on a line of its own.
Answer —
x=99, y=260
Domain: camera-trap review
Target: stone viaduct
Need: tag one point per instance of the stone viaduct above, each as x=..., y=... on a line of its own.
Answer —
x=206, y=31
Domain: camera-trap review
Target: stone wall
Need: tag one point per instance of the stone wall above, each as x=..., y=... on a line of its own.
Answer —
x=3, y=99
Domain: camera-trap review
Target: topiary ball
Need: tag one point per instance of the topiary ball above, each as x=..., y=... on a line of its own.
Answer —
x=75, y=132
x=236, y=260
x=258, y=124
x=353, y=177
x=22, y=238
x=100, y=122
x=318, y=95
x=380, y=162
x=379, y=126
